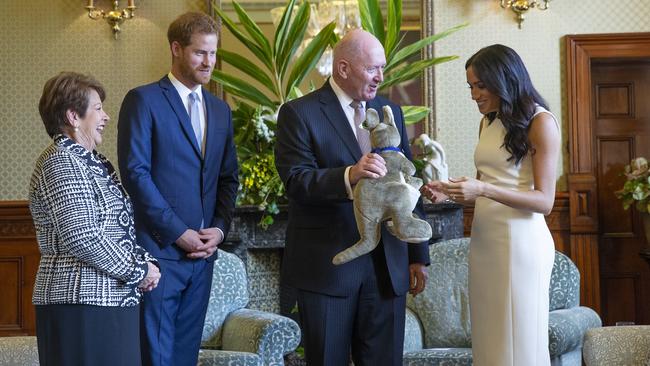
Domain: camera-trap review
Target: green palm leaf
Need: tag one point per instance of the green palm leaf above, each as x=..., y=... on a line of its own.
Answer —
x=414, y=113
x=281, y=30
x=248, y=68
x=254, y=31
x=406, y=52
x=310, y=56
x=371, y=18
x=295, y=93
x=294, y=38
x=390, y=55
x=413, y=70
x=241, y=88
x=246, y=41
x=394, y=25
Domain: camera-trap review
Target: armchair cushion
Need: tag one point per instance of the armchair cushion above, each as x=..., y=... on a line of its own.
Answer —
x=229, y=292
x=443, y=306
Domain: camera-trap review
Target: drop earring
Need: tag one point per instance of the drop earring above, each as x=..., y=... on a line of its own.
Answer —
x=76, y=128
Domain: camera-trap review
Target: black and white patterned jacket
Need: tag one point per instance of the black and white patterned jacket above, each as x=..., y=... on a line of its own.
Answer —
x=85, y=230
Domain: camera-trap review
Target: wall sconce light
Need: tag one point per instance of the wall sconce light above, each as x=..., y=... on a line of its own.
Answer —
x=520, y=7
x=114, y=17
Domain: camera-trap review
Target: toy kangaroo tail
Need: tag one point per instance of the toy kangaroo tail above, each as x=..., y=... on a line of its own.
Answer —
x=370, y=233
x=363, y=246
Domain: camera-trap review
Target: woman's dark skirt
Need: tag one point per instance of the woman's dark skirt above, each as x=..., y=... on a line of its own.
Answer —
x=84, y=335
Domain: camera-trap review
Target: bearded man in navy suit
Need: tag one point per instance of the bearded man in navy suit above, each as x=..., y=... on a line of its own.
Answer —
x=177, y=160
x=358, y=306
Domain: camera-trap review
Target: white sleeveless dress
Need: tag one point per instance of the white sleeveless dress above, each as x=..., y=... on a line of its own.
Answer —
x=510, y=262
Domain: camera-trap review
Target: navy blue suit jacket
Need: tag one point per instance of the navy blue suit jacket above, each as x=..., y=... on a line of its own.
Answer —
x=315, y=144
x=172, y=185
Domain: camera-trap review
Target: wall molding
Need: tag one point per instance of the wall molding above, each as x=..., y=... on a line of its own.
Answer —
x=16, y=220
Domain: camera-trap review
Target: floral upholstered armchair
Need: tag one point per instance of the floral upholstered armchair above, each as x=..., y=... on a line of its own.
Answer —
x=234, y=335
x=438, y=328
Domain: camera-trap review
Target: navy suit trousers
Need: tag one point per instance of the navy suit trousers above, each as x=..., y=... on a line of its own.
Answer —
x=174, y=313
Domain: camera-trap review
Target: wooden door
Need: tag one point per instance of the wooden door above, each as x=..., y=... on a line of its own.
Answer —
x=621, y=112
x=587, y=172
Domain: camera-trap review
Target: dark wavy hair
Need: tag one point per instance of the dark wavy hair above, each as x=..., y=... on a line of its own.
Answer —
x=503, y=73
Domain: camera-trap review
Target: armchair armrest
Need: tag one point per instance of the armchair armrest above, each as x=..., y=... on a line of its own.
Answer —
x=413, y=334
x=269, y=335
x=567, y=327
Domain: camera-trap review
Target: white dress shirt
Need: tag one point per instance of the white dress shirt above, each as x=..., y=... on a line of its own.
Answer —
x=184, y=92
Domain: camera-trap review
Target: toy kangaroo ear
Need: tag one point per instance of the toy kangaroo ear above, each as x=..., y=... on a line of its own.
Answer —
x=372, y=119
x=389, y=119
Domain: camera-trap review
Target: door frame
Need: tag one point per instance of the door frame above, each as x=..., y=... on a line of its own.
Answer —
x=583, y=199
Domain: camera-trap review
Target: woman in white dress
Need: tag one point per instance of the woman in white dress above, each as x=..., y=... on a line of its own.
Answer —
x=511, y=251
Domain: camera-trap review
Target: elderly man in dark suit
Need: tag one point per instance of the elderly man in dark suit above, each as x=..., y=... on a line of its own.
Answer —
x=320, y=155
x=178, y=162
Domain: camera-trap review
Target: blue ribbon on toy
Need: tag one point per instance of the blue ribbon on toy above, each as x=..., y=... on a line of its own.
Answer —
x=379, y=150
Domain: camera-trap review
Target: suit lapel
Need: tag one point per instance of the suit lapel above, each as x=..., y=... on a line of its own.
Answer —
x=211, y=123
x=177, y=105
x=331, y=108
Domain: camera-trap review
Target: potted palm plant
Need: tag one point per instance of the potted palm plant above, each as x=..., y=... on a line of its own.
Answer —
x=255, y=114
x=284, y=68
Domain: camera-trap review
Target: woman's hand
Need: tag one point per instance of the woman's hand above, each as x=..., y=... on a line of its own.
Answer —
x=433, y=191
x=463, y=189
x=151, y=280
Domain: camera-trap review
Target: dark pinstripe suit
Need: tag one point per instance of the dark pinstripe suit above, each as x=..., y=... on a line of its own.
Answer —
x=315, y=144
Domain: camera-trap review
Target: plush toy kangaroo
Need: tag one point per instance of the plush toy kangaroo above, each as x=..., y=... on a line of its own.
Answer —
x=391, y=197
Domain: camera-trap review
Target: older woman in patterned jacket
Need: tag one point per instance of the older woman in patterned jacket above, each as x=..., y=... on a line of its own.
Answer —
x=92, y=273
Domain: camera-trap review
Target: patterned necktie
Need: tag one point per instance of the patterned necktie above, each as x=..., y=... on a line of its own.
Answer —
x=363, y=136
x=195, y=118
